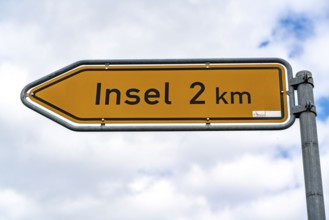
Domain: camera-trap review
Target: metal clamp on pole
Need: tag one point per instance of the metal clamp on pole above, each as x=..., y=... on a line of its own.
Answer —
x=302, y=78
x=308, y=107
x=306, y=112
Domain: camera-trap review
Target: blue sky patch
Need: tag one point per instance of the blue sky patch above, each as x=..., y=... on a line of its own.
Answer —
x=264, y=44
x=322, y=107
x=298, y=26
x=295, y=51
x=292, y=29
x=283, y=153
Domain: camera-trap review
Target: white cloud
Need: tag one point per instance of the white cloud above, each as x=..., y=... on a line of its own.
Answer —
x=285, y=205
x=241, y=180
x=14, y=205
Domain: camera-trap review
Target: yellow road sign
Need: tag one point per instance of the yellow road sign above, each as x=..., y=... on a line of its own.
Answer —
x=245, y=93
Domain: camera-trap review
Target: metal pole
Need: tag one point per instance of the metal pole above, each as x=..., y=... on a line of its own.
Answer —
x=310, y=148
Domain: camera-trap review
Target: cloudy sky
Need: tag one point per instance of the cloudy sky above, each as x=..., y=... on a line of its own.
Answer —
x=50, y=172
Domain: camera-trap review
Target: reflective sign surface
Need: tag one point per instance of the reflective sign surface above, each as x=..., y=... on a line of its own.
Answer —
x=164, y=93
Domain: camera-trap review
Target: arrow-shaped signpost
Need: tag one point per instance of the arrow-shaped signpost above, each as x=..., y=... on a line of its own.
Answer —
x=166, y=95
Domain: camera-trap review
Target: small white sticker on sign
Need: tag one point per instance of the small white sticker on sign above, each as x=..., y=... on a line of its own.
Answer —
x=266, y=114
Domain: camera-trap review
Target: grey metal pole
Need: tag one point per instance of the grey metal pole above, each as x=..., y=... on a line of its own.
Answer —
x=310, y=148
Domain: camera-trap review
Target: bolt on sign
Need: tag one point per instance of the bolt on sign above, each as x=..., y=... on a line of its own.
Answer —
x=141, y=95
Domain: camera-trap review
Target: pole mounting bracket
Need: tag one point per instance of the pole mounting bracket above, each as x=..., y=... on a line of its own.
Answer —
x=308, y=107
x=306, y=78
